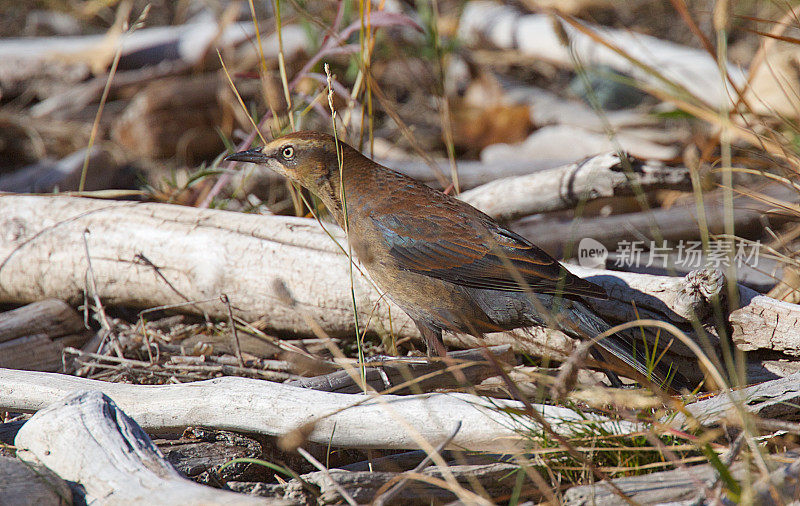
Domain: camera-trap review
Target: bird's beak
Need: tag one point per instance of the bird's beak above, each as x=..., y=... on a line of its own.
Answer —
x=255, y=155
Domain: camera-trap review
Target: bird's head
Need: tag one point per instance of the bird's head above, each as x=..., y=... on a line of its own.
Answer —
x=307, y=158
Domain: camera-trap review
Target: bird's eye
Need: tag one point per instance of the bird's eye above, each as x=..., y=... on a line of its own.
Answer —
x=287, y=152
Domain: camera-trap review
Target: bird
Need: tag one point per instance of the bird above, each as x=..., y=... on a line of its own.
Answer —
x=449, y=266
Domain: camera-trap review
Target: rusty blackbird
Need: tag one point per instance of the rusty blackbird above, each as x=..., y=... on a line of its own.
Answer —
x=447, y=264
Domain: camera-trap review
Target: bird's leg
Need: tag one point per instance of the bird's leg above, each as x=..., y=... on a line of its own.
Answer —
x=612, y=378
x=433, y=340
x=435, y=345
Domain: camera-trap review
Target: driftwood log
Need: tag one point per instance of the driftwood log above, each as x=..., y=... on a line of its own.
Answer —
x=604, y=175
x=690, y=485
x=555, y=142
x=117, y=462
x=665, y=487
x=31, y=483
x=114, y=447
x=34, y=336
x=536, y=35
x=52, y=65
x=471, y=173
x=63, y=175
x=249, y=405
x=291, y=275
x=497, y=479
x=419, y=375
x=341, y=420
x=679, y=222
x=771, y=399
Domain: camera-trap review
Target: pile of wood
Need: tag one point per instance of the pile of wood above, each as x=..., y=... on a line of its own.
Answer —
x=86, y=253
x=153, y=350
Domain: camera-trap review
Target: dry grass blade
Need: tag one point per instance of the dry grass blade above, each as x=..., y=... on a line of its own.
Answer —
x=385, y=494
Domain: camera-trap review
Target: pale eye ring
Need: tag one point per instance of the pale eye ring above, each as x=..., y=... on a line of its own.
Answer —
x=287, y=152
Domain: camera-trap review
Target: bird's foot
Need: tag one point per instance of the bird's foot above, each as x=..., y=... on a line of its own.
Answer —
x=378, y=358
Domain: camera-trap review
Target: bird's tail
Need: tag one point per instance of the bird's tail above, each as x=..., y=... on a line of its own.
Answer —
x=636, y=353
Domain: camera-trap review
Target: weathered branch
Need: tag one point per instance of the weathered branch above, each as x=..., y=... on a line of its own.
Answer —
x=565, y=187
x=656, y=488
x=51, y=318
x=679, y=222
x=363, y=485
x=23, y=61
x=471, y=173
x=771, y=399
x=688, y=485
x=424, y=375
x=341, y=420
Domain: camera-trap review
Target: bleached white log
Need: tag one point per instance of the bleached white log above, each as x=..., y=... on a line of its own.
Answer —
x=471, y=173
x=189, y=42
x=771, y=399
x=342, y=420
x=565, y=187
x=690, y=485
x=201, y=254
x=85, y=438
x=535, y=35
x=676, y=487
x=557, y=142
x=548, y=108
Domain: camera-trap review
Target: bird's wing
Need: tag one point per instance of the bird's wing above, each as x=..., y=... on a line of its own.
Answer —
x=477, y=252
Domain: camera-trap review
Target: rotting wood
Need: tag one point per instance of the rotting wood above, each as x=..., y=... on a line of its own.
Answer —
x=341, y=420
x=117, y=462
